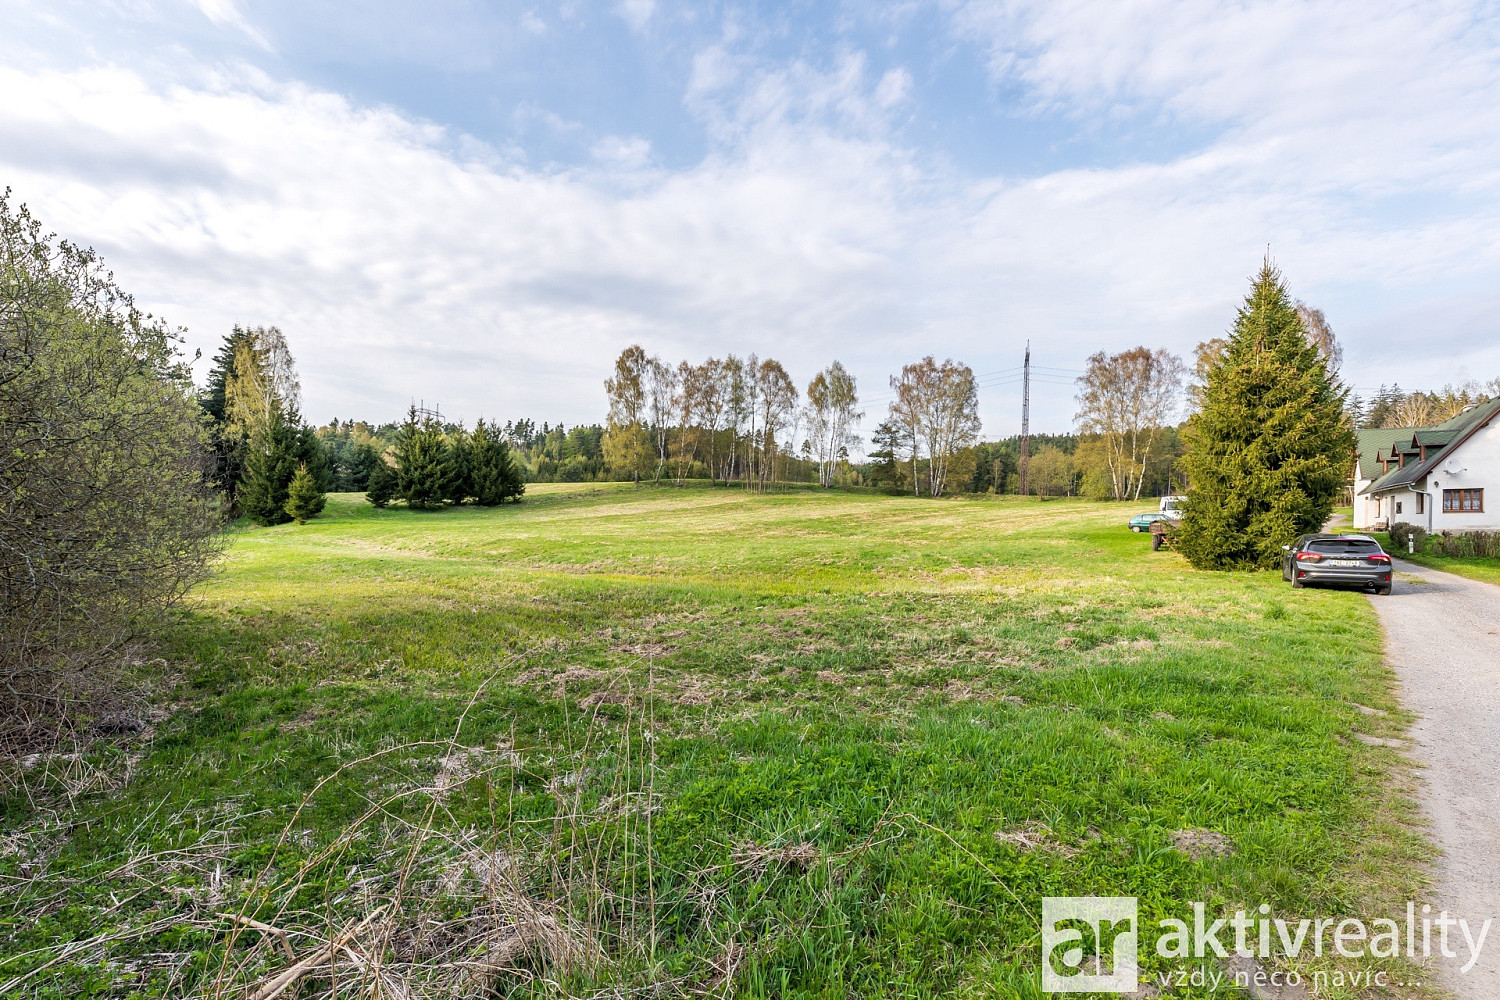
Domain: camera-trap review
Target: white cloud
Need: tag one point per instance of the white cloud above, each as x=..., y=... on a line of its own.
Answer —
x=227, y=14
x=1360, y=139
x=622, y=152
x=893, y=88
x=637, y=13
x=400, y=269
x=405, y=260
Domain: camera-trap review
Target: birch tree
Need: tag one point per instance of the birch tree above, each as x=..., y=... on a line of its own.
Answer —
x=778, y=400
x=911, y=388
x=1320, y=335
x=951, y=421
x=625, y=441
x=687, y=404
x=735, y=411
x=264, y=381
x=937, y=408
x=751, y=380
x=833, y=399
x=711, y=407
x=1126, y=399
x=661, y=390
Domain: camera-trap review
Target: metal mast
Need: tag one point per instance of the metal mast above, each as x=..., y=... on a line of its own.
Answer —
x=1025, y=417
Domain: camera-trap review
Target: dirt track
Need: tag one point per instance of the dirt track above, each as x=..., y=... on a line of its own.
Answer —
x=1443, y=639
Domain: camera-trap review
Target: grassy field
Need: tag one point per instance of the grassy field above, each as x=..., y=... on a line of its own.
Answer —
x=702, y=742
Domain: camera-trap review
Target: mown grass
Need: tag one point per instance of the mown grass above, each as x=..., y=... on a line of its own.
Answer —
x=792, y=745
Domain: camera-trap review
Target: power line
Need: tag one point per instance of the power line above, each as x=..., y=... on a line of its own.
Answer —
x=1026, y=418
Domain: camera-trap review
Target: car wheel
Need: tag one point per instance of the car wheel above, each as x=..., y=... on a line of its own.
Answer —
x=1297, y=584
x=1136, y=528
x=1286, y=575
x=1383, y=591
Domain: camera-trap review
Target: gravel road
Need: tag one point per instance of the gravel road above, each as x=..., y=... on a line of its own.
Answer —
x=1443, y=639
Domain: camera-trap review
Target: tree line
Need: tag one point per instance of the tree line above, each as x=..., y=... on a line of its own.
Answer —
x=725, y=419
x=744, y=419
x=1391, y=406
x=253, y=401
x=273, y=467
x=543, y=453
x=434, y=465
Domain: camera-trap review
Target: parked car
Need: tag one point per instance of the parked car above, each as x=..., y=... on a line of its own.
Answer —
x=1170, y=510
x=1350, y=560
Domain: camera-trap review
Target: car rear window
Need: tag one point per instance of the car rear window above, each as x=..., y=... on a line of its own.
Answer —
x=1345, y=546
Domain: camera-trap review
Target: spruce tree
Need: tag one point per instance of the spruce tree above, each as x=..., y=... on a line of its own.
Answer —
x=493, y=474
x=1269, y=451
x=422, y=464
x=305, y=497
x=228, y=444
x=460, y=466
x=383, y=485
x=312, y=453
x=211, y=398
x=883, y=469
x=271, y=460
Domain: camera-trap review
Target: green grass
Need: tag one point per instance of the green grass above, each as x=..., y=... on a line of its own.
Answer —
x=836, y=745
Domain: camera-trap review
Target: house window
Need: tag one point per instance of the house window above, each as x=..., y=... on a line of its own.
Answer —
x=1398, y=506
x=1463, y=501
x=1421, y=503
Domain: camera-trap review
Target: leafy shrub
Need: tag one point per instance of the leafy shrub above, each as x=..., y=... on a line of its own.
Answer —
x=106, y=515
x=1408, y=537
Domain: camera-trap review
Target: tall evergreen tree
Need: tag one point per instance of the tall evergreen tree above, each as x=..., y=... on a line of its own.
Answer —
x=271, y=460
x=460, y=465
x=312, y=453
x=305, y=499
x=423, y=469
x=1270, y=448
x=227, y=443
x=884, y=469
x=383, y=486
x=493, y=474
x=221, y=369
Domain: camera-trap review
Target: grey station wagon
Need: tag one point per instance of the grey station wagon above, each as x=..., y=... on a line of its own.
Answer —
x=1351, y=560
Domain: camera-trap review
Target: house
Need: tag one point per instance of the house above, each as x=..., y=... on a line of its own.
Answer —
x=1433, y=477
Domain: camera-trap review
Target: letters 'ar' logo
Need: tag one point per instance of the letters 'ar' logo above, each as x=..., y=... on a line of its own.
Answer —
x=1089, y=944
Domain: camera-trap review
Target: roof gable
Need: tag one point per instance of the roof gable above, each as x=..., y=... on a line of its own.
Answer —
x=1370, y=444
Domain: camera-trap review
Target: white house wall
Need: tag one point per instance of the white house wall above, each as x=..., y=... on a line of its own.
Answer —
x=1479, y=462
x=1364, y=517
x=1406, y=499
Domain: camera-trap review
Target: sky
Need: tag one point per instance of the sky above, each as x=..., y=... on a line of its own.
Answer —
x=478, y=205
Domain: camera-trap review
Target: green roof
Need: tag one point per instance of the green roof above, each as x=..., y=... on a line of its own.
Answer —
x=1453, y=430
x=1370, y=443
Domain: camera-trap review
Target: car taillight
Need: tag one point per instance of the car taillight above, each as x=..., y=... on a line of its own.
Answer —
x=1380, y=557
x=1308, y=556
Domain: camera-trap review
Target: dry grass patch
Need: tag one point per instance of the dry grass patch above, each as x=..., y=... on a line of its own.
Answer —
x=1199, y=844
